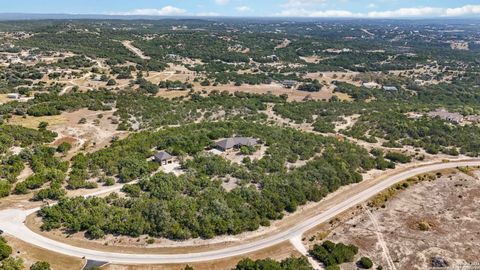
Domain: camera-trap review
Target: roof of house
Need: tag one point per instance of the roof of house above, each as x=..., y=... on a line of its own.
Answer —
x=162, y=155
x=289, y=82
x=237, y=141
x=390, y=88
x=446, y=115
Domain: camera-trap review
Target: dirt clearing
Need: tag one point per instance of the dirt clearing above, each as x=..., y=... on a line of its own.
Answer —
x=432, y=220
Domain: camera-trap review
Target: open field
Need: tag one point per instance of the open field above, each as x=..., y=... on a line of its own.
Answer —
x=274, y=88
x=31, y=254
x=33, y=122
x=446, y=204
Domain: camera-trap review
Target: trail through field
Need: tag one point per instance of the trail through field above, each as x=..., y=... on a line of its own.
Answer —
x=381, y=240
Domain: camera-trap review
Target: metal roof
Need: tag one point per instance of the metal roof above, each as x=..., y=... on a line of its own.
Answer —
x=237, y=141
x=162, y=155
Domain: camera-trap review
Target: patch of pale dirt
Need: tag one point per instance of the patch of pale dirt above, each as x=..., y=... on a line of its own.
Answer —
x=348, y=122
x=236, y=157
x=95, y=134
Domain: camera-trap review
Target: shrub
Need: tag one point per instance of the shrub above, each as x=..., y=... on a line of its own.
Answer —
x=365, y=263
x=5, y=250
x=40, y=266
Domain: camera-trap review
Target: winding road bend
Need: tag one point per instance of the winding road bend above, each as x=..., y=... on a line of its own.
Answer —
x=12, y=223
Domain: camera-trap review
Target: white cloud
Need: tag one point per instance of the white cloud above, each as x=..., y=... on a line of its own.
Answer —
x=318, y=13
x=165, y=11
x=208, y=14
x=243, y=9
x=302, y=3
x=406, y=12
x=222, y=2
x=467, y=10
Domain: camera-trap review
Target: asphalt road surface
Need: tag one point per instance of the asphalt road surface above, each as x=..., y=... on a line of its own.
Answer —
x=12, y=223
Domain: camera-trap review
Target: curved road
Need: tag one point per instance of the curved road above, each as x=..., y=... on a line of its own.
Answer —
x=12, y=222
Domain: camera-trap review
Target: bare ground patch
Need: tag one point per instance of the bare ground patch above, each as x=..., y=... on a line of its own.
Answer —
x=448, y=205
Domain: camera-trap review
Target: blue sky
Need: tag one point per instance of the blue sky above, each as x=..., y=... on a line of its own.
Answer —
x=290, y=8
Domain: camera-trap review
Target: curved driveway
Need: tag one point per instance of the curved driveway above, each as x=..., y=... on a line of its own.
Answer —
x=12, y=222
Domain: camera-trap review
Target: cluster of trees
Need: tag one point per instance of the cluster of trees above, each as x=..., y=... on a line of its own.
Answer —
x=47, y=168
x=146, y=86
x=300, y=263
x=314, y=86
x=18, y=75
x=175, y=85
x=195, y=204
x=11, y=165
x=433, y=135
x=45, y=104
x=331, y=254
x=74, y=62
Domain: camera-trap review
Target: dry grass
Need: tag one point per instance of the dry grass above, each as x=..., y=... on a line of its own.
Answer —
x=4, y=98
x=33, y=122
x=343, y=96
x=31, y=254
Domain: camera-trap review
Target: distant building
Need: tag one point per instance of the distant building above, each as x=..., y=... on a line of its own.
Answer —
x=273, y=57
x=390, y=88
x=447, y=116
x=289, y=83
x=236, y=142
x=163, y=158
x=13, y=95
x=371, y=85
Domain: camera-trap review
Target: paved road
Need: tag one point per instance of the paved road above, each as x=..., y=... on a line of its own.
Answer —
x=11, y=221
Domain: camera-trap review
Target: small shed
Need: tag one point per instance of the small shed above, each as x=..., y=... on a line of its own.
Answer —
x=163, y=158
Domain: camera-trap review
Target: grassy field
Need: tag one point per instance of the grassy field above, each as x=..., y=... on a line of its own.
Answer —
x=31, y=254
x=33, y=122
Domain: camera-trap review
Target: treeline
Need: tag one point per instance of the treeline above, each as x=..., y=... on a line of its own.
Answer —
x=433, y=135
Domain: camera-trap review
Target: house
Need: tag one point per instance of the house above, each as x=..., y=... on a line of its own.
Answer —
x=371, y=85
x=236, y=142
x=447, y=116
x=273, y=57
x=390, y=88
x=163, y=158
x=289, y=83
x=13, y=95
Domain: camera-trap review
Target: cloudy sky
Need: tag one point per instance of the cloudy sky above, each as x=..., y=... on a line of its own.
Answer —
x=255, y=8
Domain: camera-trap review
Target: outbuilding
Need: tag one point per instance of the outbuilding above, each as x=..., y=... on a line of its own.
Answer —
x=163, y=158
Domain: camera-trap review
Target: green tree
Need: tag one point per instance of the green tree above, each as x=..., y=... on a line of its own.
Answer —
x=40, y=266
x=365, y=263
